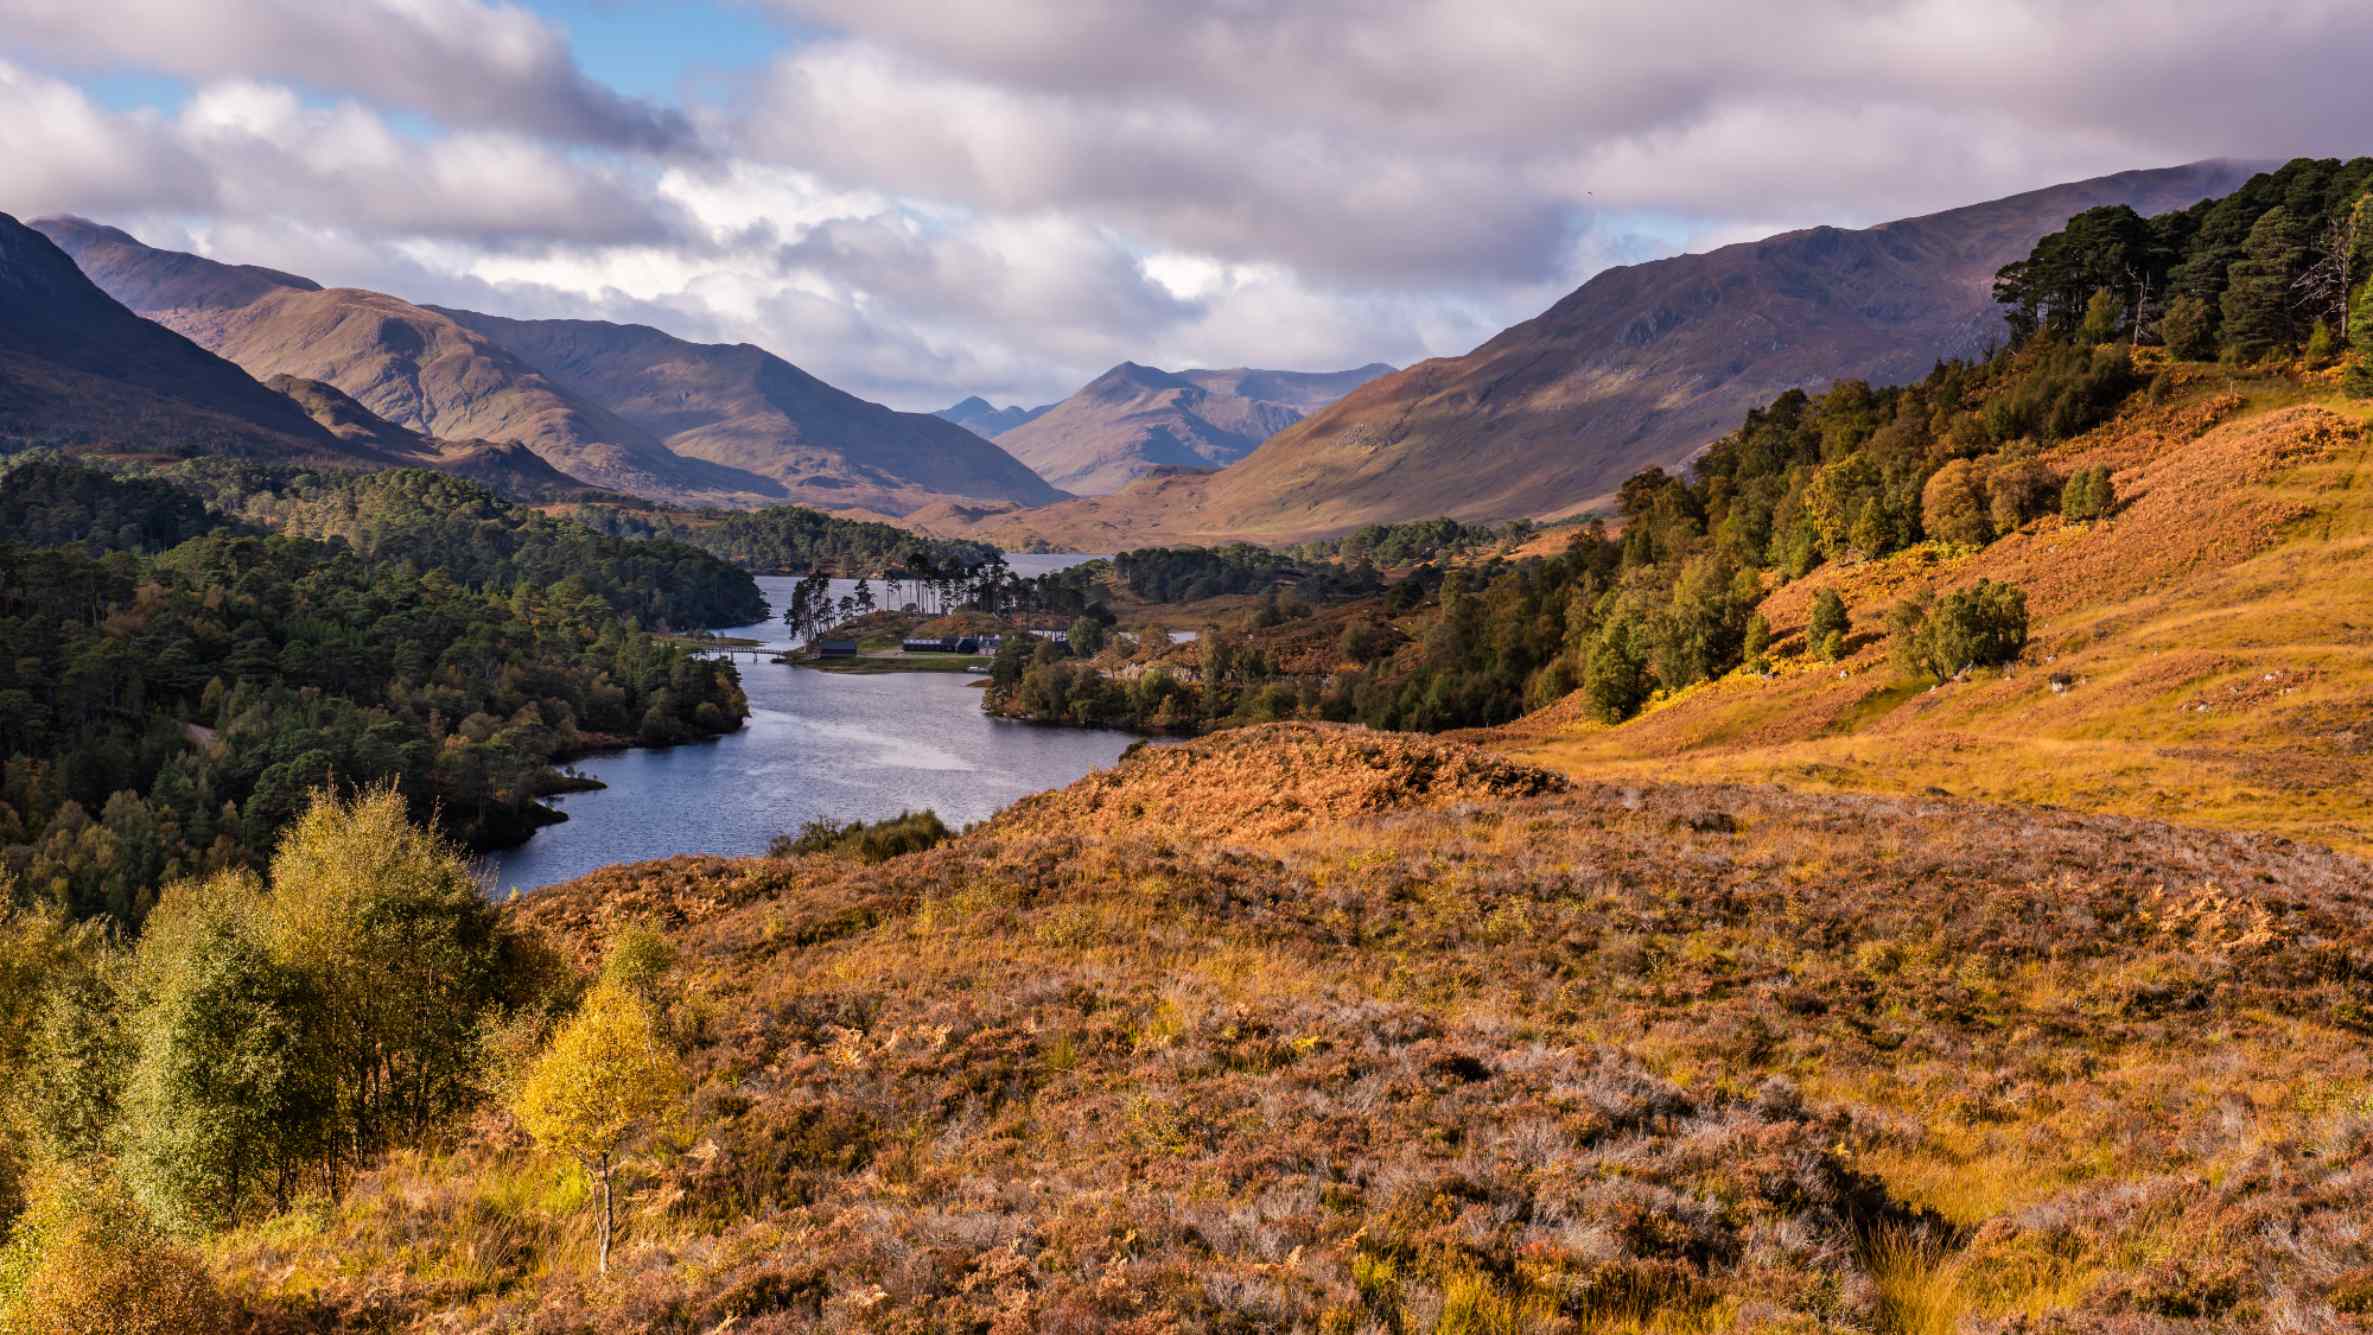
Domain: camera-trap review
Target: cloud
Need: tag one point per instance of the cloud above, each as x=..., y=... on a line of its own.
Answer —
x=252, y=150
x=460, y=62
x=919, y=200
x=1391, y=140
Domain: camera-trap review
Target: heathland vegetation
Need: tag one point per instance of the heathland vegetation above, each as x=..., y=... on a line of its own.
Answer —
x=1303, y=1027
x=1555, y=1025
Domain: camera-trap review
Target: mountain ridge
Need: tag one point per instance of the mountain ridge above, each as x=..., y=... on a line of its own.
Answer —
x=983, y=418
x=1641, y=365
x=76, y=362
x=1645, y=363
x=451, y=374
x=1136, y=419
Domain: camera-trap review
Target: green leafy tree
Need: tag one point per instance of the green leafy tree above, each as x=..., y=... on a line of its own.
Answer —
x=2019, y=487
x=1758, y=642
x=1615, y=675
x=1953, y=505
x=2101, y=318
x=1086, y=637
x=390, y=928
x=1829, y=625
x=78, y=1059
x=230, y=1097
x=1968, y=628
x=608, y=1076
x=2088, y=494
x=1700, y=632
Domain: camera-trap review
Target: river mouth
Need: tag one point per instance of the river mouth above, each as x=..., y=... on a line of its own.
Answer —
x=817, y=746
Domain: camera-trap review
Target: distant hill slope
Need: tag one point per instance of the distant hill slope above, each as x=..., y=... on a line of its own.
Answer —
x=744, y=408
x=511, y=470
x=603, y=403
x=1135, y=419
x=1645, y=363
x=78, y=367
x=982, y=418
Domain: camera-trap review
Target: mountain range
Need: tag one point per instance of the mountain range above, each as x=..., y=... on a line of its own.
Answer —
x=624, y=407
x=982, y=418
x=1134, y=420
x=1642, y=365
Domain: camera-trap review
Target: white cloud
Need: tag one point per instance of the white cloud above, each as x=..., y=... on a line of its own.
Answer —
x=930, y=199
x=462, y=62
x=249, y=150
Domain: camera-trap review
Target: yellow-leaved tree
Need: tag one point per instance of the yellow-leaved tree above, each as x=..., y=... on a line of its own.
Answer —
x=608, y=1075
x=84, y=1257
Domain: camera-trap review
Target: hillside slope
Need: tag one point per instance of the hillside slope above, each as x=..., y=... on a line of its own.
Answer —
x=1473, y=1051
x=1644, y=364
x=2201, y=656
x=621, y=407
x=743, y=408
x=1133, y=420
x=78, y=367
x=512, y=471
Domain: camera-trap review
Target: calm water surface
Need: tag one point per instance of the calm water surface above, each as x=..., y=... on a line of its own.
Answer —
x=817, y=744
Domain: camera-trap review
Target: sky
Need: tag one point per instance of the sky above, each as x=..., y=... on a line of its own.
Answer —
x=920, y=200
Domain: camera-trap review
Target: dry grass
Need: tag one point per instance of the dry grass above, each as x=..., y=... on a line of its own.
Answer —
x=1621, y=1058
x=2215, y=663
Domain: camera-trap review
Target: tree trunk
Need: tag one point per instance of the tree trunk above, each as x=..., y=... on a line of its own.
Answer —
x=605, y=1217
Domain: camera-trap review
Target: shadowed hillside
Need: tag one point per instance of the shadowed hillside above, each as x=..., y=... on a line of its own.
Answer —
x=78, y=368
x=744, y=408
x=511, y=470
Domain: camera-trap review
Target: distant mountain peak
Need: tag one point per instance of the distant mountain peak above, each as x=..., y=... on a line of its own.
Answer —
x=1135, y=420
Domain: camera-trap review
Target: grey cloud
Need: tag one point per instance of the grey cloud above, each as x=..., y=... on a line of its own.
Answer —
x=1442, y=139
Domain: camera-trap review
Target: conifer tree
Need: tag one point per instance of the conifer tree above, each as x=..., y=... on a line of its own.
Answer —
x=2257, y=304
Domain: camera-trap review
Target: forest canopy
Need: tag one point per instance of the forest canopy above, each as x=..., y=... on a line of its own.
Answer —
x=162, y=715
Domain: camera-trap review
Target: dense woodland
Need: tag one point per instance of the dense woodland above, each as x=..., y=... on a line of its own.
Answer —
x=432, y=520
x=164, y=714
x=2267, y=274
x=1415, y=540
x=1191, y=574
x=790, y=540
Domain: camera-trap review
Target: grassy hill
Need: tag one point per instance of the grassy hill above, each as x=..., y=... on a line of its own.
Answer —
x=1430, y=1041
x=2204, y=655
